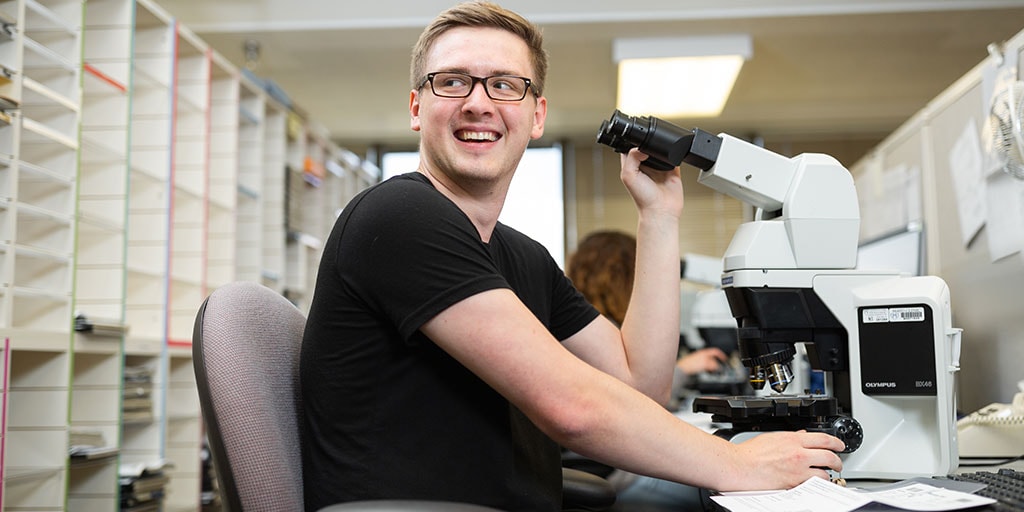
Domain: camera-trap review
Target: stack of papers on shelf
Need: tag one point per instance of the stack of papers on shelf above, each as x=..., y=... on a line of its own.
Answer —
x=821, y=495
x=137, y=405
x=89, y=445
x=100, y=326
x=142, y=486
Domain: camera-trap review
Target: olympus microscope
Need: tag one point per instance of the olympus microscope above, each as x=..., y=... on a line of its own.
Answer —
x=883, y=340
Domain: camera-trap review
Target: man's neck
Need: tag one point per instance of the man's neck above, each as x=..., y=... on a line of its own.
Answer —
x=481, y=202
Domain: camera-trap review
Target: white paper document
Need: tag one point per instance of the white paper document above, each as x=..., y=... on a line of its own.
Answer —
x=819, y=495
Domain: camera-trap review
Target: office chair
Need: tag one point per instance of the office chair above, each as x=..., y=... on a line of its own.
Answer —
x=245, y=353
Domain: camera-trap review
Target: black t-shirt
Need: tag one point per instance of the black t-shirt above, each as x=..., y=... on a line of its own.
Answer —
x=388, y=414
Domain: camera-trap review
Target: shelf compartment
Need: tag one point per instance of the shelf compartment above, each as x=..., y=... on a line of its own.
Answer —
x=54, y=16
x=190, y=166
x=39, y=155
x=99, y=290
x=42, y=270
x=36, y=437
x=96, y=405
x=7, y=133
x=48, y=51
x=184, y=430
x=48, y=193
x=100, y=244
x=93, y=486
x=105, y=212
x=104, y=105
x=146, y=321
x=43, y=312
x=33, y=488
x=46, y=232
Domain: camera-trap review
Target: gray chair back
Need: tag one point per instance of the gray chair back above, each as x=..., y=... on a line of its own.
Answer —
x=245, y=349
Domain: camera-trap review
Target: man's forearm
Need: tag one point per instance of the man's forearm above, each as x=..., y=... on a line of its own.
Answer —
x=650, y=331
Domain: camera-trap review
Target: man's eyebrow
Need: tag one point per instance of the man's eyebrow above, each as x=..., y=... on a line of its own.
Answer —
x=493, y=72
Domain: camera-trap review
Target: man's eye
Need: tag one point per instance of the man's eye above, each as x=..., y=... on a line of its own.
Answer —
x=501, y=84
x=453, y=82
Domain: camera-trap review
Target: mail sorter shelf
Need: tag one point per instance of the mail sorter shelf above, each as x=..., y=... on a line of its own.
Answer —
x=36, y=438
x=249, y=209
x=190, y=196
x=100, y=272
x=184, y=433
x=95, y=425
x=149, y=194
x=102, y=197
x=272, y=199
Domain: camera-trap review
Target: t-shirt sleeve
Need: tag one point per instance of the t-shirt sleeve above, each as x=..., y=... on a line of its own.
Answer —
x=572, y=311
x=409, y=253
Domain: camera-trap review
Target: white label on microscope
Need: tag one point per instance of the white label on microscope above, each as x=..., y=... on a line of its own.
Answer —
x=914, y=314
x=876, y=316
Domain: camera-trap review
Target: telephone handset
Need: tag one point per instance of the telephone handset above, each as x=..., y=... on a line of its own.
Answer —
x=996, y=430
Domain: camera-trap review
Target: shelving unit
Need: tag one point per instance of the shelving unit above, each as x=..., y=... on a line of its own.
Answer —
x=39, y=152
x=189, y=197
x=190, y=205
x=148, y=243
x=99, y=293
x=221, y=225
x=149, y=199
x=139, y=171
x=272, y=196
x=249, y=223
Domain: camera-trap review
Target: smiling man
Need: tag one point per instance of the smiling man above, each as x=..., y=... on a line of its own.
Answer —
x=446, y=356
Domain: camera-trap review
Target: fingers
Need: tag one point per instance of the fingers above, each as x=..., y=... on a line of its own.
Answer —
x=792, y=456
x=631, y=161
x=826, y=459
x=822, y=441
x=826, y=448
x=820, y=473
x=715, y=354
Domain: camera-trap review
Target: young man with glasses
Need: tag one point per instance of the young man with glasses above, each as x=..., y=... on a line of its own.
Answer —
x=446, y=355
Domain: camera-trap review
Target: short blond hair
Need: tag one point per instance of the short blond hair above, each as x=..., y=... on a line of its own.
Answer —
x=487, y=15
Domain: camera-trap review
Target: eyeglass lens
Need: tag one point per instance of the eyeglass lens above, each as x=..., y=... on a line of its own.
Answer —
x=460, y=85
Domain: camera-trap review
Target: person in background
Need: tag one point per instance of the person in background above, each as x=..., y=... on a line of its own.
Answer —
x=602, y=267
x=446, y=356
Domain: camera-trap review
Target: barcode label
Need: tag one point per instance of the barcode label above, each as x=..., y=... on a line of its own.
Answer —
x=887, y=315
x=915, y=314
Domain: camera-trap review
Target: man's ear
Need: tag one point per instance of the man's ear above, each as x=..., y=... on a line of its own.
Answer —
x=540, y=114
x=414, y=110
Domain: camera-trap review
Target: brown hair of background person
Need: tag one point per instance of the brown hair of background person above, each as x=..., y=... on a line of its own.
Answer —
x=602, y=269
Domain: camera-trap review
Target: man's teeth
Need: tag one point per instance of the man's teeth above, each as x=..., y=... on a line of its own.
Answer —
x=478, y=136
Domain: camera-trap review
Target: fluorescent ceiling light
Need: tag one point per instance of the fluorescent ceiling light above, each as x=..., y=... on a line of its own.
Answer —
x=678, y=77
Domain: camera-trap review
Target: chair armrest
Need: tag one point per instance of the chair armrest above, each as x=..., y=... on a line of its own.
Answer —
x=585, y=491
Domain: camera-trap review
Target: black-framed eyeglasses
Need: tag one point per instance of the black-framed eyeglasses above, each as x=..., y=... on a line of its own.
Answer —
x=459, y=85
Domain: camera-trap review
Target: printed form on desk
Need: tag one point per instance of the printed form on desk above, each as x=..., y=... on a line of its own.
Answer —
x=819, y=495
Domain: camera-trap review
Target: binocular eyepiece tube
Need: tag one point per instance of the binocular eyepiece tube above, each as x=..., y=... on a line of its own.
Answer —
x=665, y=144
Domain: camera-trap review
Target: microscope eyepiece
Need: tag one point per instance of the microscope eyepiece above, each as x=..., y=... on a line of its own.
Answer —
x=665, y=144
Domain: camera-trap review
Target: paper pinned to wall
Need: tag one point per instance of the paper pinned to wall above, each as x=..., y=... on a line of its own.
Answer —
x=1005, y=215
x=965, y=166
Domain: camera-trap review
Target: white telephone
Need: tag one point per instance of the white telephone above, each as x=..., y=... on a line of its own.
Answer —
x=996, y=430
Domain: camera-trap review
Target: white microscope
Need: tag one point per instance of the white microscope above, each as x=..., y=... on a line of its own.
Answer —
x=883, y=340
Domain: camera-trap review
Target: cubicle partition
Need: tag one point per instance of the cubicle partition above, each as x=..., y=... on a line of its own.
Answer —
x=938, y=172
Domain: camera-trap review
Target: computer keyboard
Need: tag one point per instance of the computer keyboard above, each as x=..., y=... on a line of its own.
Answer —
x=1005, y=486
